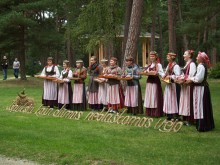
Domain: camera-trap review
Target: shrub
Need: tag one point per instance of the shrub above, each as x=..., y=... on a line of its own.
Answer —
x=33, y=69
x=215, y=71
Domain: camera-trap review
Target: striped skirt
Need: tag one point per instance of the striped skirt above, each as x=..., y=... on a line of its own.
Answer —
x=64, y=93
x=115, y=97
x=77, y=93
x=93, y=97
x=102, y=93
x=170, y=99
x=198, y=93
x=131, y=96
x=113, y=94
x=184, y=106
x=202, y=105
x=150, y=100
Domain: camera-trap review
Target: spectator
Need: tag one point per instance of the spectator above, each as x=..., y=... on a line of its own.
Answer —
x=16, y=66
x=5, y=67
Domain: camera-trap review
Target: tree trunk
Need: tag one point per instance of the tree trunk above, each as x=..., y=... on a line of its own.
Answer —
x=214, y=49
x=198, y=40
x=22, y=54
x=69, y=48
x=126, y=25
x=170, y=26
x=175, y=12
x=160, y=41
x=134, y=28
x=153, y=27
x=185, y=41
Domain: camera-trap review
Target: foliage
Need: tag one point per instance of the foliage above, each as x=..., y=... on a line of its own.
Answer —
x=46, y=26
x=215, y=72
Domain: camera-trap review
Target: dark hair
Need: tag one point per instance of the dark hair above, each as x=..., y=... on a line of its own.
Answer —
x=94, y=58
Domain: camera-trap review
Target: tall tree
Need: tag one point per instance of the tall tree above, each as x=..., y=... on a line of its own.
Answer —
x=170, y=25
x=185, y=41
x=153, y=26
x=134, y=28
x=126, y=24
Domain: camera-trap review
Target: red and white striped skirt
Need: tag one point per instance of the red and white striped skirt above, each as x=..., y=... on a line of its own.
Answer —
x=77, y=93
x=131, y=96
x=93, y=97
x=113, y=94
x=198, y=93
x=63, y=94
x=170, y=99
x=150, y=100
x=102, y=93
x=184, y=107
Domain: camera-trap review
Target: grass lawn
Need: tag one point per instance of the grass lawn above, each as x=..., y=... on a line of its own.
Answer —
x=46, y=139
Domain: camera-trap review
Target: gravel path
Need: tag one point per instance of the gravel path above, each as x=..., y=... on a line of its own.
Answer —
x=11, y=161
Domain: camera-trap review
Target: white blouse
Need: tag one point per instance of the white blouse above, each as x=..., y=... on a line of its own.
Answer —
x=176, y=71
x=160, y=68
x=48, y=69
x=69, y=76
x=200, y=74
x=192, y=69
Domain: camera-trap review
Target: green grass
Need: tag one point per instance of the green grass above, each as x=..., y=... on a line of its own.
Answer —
x=46, y=139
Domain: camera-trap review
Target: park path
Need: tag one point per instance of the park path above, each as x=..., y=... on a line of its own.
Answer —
x=13, y=78
x=12, y=161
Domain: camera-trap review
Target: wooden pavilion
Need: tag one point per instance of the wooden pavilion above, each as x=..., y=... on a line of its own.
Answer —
x=143, y=51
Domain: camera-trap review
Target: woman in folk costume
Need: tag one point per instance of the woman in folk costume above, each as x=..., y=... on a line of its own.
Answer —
x=50, y=87
x=154, y=95
x=79, y=89
x=115, y=97
x=172, y=90
x=186, y=93
x=202, y=104
x=94, y=71
x=65, y=93
x=103, y=85
x=133, y=97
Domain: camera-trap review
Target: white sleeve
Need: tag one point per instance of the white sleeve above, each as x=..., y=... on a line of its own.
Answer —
x=61, y=75
x=176, y=71
x=199, y=77
x=192, y=69
x=43, y=73
x=70, y=75
x=57, y=72
x=160, y=70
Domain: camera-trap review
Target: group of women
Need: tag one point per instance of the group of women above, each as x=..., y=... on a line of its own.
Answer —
x=186, y=96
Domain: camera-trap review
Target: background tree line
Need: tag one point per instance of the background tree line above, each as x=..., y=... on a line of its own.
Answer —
x=32, y=30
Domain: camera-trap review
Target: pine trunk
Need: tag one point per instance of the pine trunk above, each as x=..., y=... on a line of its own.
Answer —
x=69, y=49
x=185, y=41
x=160, y=41
x=214, y=49
x=126, y=26
x=153, y=27
x=170, y=26
x=134, y=28
x=23, y=51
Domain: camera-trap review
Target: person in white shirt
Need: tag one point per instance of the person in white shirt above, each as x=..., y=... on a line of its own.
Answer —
x=202, y=104
x=154, y=95
x=16, y=66
x=50, y=87
x=172, y=90
x=186, y=94
x=65, y=93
